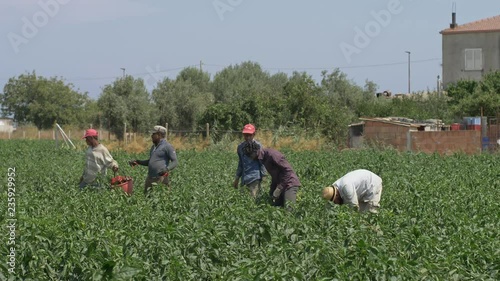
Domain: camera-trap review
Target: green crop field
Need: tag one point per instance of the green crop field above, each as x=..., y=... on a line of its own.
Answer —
x=440, y=220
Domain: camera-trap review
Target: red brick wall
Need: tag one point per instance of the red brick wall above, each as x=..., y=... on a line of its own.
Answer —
x=385, y=133
x=446, y=142
x=443, y=142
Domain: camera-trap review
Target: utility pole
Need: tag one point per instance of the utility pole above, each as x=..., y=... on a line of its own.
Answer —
x=123, y=69
x=201, y=63
x=409, y=67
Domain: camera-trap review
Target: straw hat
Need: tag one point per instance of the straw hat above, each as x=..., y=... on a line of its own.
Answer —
x=329, y=193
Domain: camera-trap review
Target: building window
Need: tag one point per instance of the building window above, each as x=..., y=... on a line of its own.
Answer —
x=473, y=59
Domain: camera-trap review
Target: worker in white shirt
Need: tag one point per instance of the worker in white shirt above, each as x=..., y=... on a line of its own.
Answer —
x=359, y=189
x=97, y=160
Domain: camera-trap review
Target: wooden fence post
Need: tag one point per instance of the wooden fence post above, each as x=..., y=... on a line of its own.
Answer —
x=125, y=132
x=208, y=131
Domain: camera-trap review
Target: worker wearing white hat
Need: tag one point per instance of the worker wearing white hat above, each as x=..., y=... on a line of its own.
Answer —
x=162, y=160
x=359, y=189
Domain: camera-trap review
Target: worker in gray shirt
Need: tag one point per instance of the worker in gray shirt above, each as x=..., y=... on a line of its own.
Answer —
x=162, y=160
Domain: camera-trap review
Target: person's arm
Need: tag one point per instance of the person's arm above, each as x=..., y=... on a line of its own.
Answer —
x=263, y=171
x=349, y=196
x=142, y=162
x=172, y=155
x=239, y=168
x=109, y=162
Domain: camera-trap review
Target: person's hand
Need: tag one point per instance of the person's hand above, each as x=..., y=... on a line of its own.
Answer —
x=163, y=173
x=235, y=183
x=277, y=192
x=133, y=163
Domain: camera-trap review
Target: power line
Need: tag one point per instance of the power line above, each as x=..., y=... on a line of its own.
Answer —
x=77, y=79
x=339, y=67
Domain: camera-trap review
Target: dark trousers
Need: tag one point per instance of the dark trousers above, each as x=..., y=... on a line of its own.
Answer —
x=288, y=196
x=148, y=185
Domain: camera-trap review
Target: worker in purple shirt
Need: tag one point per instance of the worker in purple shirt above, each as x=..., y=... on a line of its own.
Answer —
x=284, y=182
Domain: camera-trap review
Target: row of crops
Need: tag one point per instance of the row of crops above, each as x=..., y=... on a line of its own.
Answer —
x=440, y=220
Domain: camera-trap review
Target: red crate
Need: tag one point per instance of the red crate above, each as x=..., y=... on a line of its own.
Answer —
x=474, y=127
x=455, y=127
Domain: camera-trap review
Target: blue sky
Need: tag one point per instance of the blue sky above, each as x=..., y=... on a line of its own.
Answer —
x=88, y=42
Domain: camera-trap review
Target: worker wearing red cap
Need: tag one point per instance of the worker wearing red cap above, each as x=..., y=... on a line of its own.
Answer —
x=97, y=160
x=250, y=171
x=360, y=189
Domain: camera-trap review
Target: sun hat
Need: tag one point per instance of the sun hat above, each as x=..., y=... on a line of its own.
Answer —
x=248, y=129
x=90, y=133
x=159, y=129
x=329, y=193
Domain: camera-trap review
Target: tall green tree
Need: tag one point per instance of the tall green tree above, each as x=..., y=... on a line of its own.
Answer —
x=470, y=98
x=181, y=103
x=303, y=100
x=340, y=90
x=234, y=83
x=126, y=101
x=30, y=98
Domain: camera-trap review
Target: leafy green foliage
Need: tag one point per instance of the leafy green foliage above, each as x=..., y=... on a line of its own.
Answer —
x=239, y=94
x=438, y=221
x=420, y=107
x=470, y=98
x=183, y=101
x=126, y=101
x=42, y=101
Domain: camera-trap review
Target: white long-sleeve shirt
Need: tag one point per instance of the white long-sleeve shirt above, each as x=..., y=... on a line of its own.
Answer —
x=97, y=159
x=358, y=186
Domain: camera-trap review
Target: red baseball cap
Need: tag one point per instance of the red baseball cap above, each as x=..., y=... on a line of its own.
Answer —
x=90, y=133
x=249, y=129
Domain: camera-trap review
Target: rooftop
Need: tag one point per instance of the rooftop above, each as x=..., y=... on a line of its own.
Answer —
x=491, y=24
x=403, y=121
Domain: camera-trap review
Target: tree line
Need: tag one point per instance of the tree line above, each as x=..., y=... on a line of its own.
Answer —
x=238, y=94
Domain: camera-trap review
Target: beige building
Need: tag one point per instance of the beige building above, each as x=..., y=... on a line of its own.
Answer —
x=6, y=125
x=470, y=50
